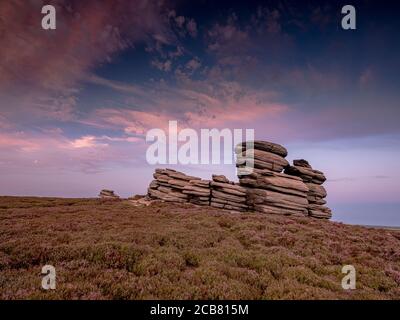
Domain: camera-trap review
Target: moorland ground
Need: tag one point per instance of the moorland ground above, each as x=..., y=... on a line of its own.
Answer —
x=115, y=250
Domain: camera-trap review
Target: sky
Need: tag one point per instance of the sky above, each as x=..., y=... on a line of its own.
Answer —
x=76, y=102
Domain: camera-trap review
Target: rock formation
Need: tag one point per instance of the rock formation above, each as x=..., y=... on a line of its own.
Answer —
x=296, y=191
x=174, y=186
x=108, y=194
x=268, y=189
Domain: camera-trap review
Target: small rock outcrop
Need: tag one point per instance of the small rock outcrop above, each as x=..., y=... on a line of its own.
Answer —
x=108, y=194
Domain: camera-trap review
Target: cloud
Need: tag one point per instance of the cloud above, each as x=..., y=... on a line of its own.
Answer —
x=228, y=38
x=183, y=25
x=342, y=179
x=366, y=77
x=162, y=66
x=267, y=20
x=176, y=53
x=86, y=142
x=193, y=64
x=94, y=142
x=321, y=16
x=194, y=104
x=18, y=141
x=48, y=65
x=180, y=20
x=381, y=177
x=192, y=28
x=132, y=122
x=4, y=123
x=27, y=151
x=60, y=107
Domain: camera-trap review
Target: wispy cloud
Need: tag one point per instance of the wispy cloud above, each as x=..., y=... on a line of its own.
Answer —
x=366, y=77
x=48, y=65
x=33, y=150
x=194, y=103
x=349, y=179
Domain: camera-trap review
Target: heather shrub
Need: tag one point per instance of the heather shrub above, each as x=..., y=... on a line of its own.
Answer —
x=114, y=250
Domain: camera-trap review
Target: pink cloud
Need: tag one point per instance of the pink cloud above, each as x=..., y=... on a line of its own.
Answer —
x=4, y=123
x=192, y=27
x=196, y=104
x=130, y=121
x=184, y=25
x=193, y=64
x=228, y=38
x=87, y=33
x=180, y=20
x=86, y=142
x=18, y=141
x=162, y=65
x=53, y=151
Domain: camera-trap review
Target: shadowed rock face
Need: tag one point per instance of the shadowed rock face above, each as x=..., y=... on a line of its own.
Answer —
x=307, y=174
x=296, y=191
x=316, y=194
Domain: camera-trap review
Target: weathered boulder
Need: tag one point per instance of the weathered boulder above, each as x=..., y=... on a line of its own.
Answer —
x=277, y=182
x=262, y=160
x=108, y=194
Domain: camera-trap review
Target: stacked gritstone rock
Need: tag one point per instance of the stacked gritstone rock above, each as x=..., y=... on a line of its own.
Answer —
x=108, y=194
x=226, y=194
x=261, y=155
x=276, y=193
x=174, y=186
x=199, y=191
x=316, y=194
x=268, y=189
